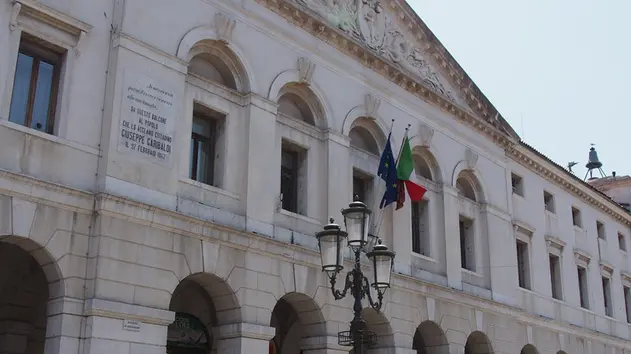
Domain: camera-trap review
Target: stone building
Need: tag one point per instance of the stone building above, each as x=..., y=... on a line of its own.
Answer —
x=164, y=166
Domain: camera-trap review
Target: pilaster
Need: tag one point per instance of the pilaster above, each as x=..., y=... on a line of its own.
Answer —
x=452, y=238
x=502, y=256
x=339, y=190
x=402, y=238
x=64, y=323
x=261, y=137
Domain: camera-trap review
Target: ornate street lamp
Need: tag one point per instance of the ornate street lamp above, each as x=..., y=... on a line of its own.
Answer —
x=332, y=242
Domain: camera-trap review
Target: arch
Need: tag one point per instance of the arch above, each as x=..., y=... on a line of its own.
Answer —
x=298, y=101
x=296, y=316
x=561, y=352
x=426, y=165
x=29, y=279
x=529, y=349
x=358, y=116
x=204, y=40
x=468, y=178
x=478, y=343
x=429, y=338
x=222, y=304
x=366, y=131
x=377, y=322
x=290, y=78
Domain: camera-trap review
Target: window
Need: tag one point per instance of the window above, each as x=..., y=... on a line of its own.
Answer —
x=292, y=173
x=555, y=277
x=205, y=135
x=582, y=287
x=627, y=302
x=600, y=230
x=518, y=185
x=607, y=296
x=622, y=243
x=35, y=85
x=576, y=217
x=548, y=200
x=467, y=244
x=362, y=187
x=523, y=265
x=420, y=228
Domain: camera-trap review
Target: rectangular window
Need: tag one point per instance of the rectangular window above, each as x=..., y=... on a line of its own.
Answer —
x=292, y=173
x=36, y=85
x=576, y=217
x=627, y=302
x=548, y=200
x=204, y=145
x=555, y=277
x=467, y=244
x=582, y=287
x=420, y=228
x=523, y=265
x=600, y=230
x=622, y=243
x=607, y=296
x=517, y=184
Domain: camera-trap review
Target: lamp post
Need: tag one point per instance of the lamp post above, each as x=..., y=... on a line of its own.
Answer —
x=332, y=242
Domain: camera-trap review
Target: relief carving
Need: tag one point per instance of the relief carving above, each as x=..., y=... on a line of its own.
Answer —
x=472, y=158
x=224, y=25
x=372, y=104
x=305, y=70
x=426, y=133
x=368, y=22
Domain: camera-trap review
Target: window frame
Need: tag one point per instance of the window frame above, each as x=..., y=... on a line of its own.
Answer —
x=549, y=203
x=36, y=49
x=583, y=286
x=577, y=217
x=215, y=122
x=523, y=270
x=517, y=187
x=556, y=276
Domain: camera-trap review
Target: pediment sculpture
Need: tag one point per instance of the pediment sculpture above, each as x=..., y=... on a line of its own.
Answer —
x=370, y=23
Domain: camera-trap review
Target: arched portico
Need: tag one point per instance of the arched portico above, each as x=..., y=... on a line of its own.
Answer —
x=377, y=322
x=296, y=318
x=478, y=343
x=202, y=303
x=29, y=279
x=429, y=338
x=529, y=349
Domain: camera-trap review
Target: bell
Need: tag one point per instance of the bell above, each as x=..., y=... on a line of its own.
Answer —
x=593, y=162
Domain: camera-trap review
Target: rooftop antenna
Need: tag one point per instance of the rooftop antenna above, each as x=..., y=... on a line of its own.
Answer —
x=593, y=164
x=570, y=165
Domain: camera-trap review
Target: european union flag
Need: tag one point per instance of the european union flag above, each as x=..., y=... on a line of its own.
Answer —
x=388, y=172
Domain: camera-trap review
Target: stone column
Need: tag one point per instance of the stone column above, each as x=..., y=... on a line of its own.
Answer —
x=116, y=327
x=64, y=325
x=262, y=152
x=244, y=338
x=452, y=237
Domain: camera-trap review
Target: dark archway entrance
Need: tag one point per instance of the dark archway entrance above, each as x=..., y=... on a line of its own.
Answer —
x=24, y=296
x=478, y=343
x=430, y=339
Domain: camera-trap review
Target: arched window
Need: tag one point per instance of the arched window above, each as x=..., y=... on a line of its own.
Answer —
x=362, y=139
x=293, y=106
x=466, y=188
x=212, y=68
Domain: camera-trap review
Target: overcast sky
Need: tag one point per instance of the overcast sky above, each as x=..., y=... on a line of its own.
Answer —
x=558, y=70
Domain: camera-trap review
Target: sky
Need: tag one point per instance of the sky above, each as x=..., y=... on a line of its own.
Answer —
x=559, y=71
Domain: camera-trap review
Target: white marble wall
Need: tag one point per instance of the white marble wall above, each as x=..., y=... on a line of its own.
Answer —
x=116, y=233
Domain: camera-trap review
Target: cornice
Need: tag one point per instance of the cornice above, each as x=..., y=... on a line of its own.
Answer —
x=484, y=122
x=551, y=173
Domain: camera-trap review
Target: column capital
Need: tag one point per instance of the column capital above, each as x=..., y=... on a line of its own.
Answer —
x=246, y=330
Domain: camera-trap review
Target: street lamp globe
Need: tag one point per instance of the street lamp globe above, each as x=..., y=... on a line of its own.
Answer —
x=332, y=243
x=382, y=260
x=357, y=222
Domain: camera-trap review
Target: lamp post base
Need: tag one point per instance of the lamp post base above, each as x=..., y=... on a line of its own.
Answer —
x=367, y=338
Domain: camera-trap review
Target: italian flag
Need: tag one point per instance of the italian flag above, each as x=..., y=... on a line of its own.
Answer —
x=407, y=176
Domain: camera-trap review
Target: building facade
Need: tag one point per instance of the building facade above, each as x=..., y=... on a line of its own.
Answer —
x=164, y=166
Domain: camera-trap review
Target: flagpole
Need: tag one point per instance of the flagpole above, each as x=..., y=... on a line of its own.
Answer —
x=379, y=219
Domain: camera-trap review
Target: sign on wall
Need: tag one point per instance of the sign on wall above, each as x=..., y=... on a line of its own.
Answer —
x=147, y=121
